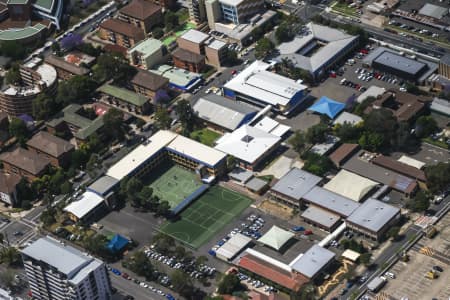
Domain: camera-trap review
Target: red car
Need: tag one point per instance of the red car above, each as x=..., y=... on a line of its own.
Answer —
x=126, y=276
x=308, y=232
x=233, y=72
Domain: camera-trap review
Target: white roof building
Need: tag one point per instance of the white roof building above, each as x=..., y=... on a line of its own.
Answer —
x=196, y=151
x=346, y=117
x=411, y=162
x=272, y=126
x=264, y=87
x=350, y=185
x=247, y=143
x=312, y=261
x=88, y=202
x=372, y=91
x=195, y=36
x=351, y=255
x=141, y=154
x=233, y=246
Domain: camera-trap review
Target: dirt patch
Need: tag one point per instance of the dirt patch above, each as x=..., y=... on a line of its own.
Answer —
x=276, y=209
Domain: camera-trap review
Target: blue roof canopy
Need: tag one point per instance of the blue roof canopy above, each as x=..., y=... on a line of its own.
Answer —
x=117, y=243
x=326, y=106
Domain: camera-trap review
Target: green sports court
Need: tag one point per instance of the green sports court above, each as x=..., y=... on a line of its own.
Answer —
x=202, y=219
x=172, y=183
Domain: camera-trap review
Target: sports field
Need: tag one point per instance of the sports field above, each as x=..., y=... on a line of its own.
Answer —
x=173, y=183
x=201, y=220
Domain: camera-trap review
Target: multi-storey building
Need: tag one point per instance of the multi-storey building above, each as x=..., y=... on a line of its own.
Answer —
x=121, y=33
x=57, y=271
x=197, y=11
x=188, y=60
x=36, y=78
x=24, y=163
x=55, y=149
x=147, y=53
x=142, y=14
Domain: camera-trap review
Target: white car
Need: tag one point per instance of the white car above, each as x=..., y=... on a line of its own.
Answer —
x=390, y=275
x=143, y=284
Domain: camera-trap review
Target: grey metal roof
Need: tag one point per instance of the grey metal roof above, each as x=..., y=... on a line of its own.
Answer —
x=222, y=111
x=65, y=259
x=433, y=11
x=312, y=261
x=320, y=216
x=334, y=40
x=241, y=175
x=441, y=106
x=373, y=214
x=399, y=62
x=331, y=201
x=103, y=185
x=296, y=183
x=255, y=184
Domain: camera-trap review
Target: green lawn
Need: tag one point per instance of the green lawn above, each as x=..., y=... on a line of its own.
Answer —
x=436, y=143
x=206, y=216
x=344, y=9
x=205, y=136
x=172, y=183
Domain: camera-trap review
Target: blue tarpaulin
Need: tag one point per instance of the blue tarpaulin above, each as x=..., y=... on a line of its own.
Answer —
x=326, y=106
x=117, y=243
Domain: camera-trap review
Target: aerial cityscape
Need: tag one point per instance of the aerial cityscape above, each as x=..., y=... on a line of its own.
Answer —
x=225, y=149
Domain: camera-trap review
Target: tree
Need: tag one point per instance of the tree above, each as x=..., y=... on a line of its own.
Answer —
x=9, y=255
x=56, y=48
x=361, y=107
x=24, y=192
x=425, y=126
x=113, y=66
x=44, y=107
x=7, y=277
x=141, y=265
x=182, y=283
x=180, y=252
x=365, y=258
x=317, y=133
x=393, y=232
x=186, y=116
x=113, y=124
x=347, y=132
x=284, y=33
x=157, y=32
x=412, y=88
x=140, y=123
x=48, y=216
x=96, y=244
x=229, y=284
x=438, y=177
x=163, y=243
x=163, y=208
x=18, y=129
x=12, y=49
x=317, y=164
x=162, y=118
x=2, y=238
x=371, y=141
x=66, y=187
x=263, y=48
x=420, y=202
x=299, y=142
x=231, y=58
x=71, y=41
x=13, y=75
x=77, y=89
x=170, y=20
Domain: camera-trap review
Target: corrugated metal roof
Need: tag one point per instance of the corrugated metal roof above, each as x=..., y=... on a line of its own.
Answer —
x=312, y=261
x=296, y=183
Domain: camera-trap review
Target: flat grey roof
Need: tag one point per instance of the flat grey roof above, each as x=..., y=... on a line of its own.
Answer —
x=65, y=259
x=240, y=174
x=320, y=216
x=434, y=11
x=373, y=214
x=255, y=184
x=296, y=183
x=103, y=185
x=379, y=174
x=441, y=106
x=312, y=261
x=331, y=201
x=222, y=111
x=195, y=36
x=399, y=62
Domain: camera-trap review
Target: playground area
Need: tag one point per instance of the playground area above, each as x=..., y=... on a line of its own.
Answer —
x=201, y=220
x=173, y=184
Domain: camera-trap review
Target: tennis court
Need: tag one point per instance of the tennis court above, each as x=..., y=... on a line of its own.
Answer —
x=172, y=183
x=200, y=221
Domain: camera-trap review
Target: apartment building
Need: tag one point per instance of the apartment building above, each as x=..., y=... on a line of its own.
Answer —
x=58, y=271
x=142, y=14
x=121, y=33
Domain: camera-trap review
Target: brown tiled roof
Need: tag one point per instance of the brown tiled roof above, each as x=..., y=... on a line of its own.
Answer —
x=140, y=9
x=50, y=144
x=115, y=48
x=292, y=281
x=149, y=80
x=69, y=67
x=25, y=160
x=342, y=153
x=188, y=56
x=399, y=167
x=409, y=104
x=8, y=182
x=123, y=28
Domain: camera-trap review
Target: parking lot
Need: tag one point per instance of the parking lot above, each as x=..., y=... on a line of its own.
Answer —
x=428, y=154
x=410, y=278
x=16, y=232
